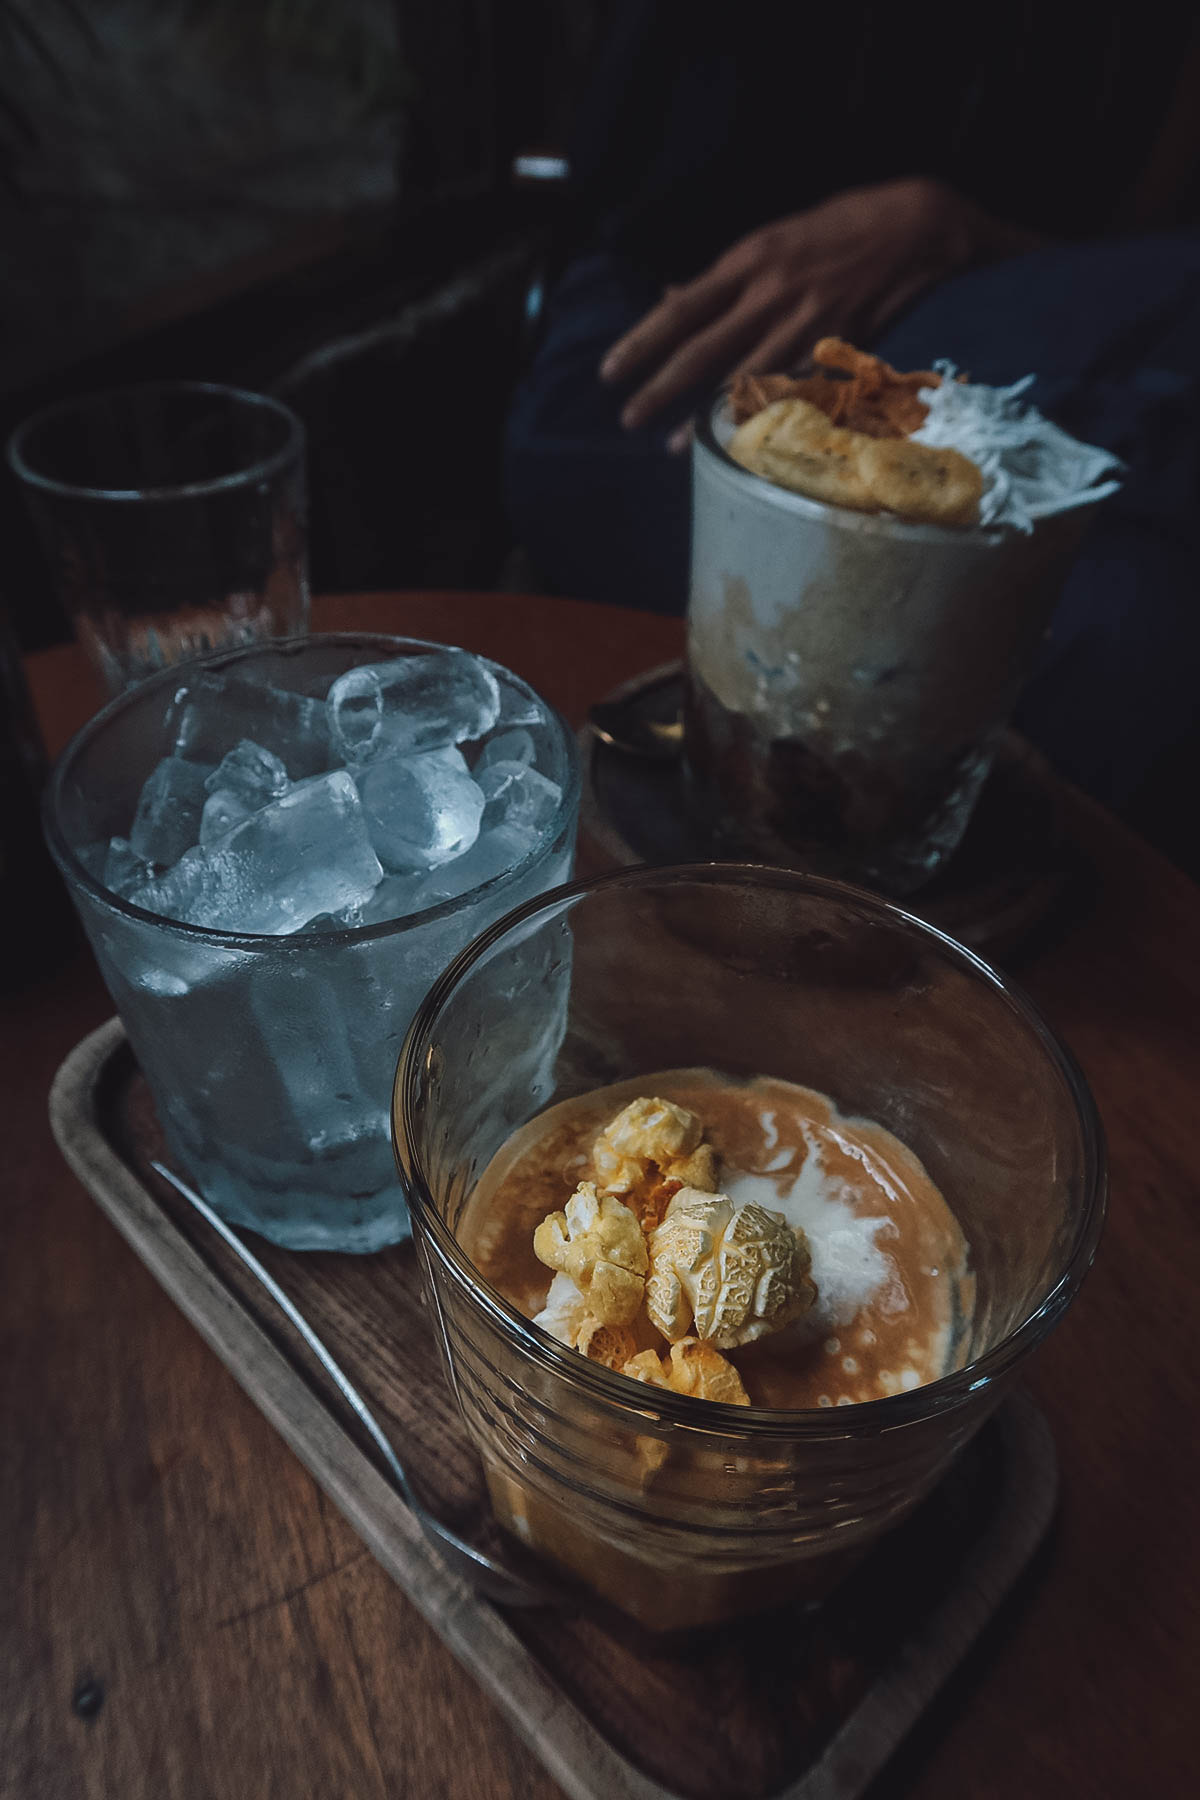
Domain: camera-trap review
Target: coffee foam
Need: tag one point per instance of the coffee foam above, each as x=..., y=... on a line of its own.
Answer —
x=849, y=1266
x=877, y=1229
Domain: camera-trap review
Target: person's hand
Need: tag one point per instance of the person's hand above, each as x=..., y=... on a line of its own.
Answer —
x=842, y=269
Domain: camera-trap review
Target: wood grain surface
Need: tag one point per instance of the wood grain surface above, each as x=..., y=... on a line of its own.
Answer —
x=184, y=1614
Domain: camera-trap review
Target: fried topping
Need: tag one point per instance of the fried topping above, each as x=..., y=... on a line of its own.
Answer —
x=852, y=388
x=792, y=443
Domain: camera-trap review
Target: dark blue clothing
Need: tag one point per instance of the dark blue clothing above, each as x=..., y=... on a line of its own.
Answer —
x=703, y=120
x=1112, y=330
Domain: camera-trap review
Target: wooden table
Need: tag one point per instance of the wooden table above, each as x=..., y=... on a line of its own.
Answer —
x=190, y=1616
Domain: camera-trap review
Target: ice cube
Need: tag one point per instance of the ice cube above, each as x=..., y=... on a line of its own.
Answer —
x=249, y=777
x=165, y=964
x=420, y=810
x=493, y=852
x=300, y=1014
x=211, y=713
x=517, y=708
x=222, y=811
x=518, y=795
x=507, y=746
x=396, y=897
x=420, y=702
x=254, y=774
x=306, y=853
x=167, y=820
x=123, y=868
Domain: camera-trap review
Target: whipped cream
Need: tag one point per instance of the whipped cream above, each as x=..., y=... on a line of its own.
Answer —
x=1031, y=469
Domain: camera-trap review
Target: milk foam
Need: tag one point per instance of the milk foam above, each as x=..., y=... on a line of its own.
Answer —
x=848, y=1264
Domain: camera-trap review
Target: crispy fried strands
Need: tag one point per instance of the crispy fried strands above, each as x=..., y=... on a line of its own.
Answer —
x=865, y=394
x=750, y=393
x=835, y=353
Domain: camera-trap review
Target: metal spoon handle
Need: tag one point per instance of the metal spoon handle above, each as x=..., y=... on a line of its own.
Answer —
x=504, y=1583
x=287, y=1306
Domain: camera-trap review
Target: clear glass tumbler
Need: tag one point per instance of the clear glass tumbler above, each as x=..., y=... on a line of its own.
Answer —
x=173, y=518
x=683, y=1512
x=271, y=1057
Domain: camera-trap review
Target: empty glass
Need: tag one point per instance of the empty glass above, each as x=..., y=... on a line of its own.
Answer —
x=680, y=1511
x=173, y=518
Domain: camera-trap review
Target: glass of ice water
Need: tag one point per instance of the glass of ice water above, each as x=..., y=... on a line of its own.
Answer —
x=173, y=518
x=274, y=853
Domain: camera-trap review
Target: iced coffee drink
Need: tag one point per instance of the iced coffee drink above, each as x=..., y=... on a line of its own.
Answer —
x=730, y=1240
x=724, y=1304
x=875, y=558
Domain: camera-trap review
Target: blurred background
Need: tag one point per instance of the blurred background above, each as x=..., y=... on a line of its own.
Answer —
x=352, y=206
x=325, y=202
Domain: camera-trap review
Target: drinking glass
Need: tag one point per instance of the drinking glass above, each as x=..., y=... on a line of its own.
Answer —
x=271, y=1058
x=680, y=1511
x=849, y=674
x=173, y=519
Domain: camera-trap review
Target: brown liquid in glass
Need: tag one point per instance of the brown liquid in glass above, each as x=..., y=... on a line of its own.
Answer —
x=889, y=1259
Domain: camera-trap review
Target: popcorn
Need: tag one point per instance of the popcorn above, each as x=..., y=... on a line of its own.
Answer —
x=706, y=1272
x=598, y=1243
x=691, y=1368
x=563, y=1312
x=566, y=1317
x=653, y=1202
x=699, y=1170
x=612, y=1345
x=652, y=1131
x=726, y=1273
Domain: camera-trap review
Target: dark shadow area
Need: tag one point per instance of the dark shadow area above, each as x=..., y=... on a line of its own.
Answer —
x=362, y=214
x=911, y=1760
x=334, y=219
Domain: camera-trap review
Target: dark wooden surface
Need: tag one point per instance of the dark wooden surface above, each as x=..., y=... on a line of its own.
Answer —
x=184, y=1614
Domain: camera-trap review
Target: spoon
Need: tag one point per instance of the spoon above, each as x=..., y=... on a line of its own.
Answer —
x=627, y=723
x=493, y=1578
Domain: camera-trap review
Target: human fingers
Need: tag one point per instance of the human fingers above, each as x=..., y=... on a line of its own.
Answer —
x=783, y=346
x=681, y=312
x=704, y=358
